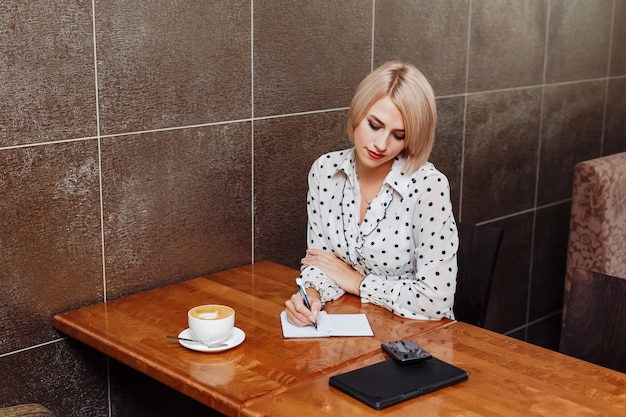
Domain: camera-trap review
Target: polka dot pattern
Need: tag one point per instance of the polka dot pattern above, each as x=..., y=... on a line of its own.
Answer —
x=406, y=246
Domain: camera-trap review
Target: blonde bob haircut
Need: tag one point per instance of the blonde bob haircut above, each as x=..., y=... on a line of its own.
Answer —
x=412, y=94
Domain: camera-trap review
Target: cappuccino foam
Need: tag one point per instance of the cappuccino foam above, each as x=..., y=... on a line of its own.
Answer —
x=211, y=312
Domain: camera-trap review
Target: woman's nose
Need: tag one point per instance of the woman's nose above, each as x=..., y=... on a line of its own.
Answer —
x=381, y=142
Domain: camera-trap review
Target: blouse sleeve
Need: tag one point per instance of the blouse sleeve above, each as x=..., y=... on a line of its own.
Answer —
x=428, y=293
x=312, y=276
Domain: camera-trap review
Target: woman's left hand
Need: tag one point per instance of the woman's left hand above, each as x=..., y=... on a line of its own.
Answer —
x=343, y=274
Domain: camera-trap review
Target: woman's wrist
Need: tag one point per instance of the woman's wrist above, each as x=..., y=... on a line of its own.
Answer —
x=311, y=292
x=355, y=283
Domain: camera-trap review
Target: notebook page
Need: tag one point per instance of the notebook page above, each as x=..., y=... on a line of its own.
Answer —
x=349, y=325
x=329, y=325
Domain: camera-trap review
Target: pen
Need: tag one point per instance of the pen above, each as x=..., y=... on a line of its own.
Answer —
x=304, y=298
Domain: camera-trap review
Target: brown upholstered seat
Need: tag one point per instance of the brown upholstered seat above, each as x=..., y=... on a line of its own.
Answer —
x=594, y=327
x=597, y=236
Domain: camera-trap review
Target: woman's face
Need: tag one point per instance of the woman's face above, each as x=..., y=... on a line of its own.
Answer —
x=379, y=138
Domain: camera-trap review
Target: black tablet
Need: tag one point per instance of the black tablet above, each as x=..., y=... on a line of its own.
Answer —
x=390, y=382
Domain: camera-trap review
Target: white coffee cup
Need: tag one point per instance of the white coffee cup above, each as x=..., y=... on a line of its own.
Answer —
x=211, y=323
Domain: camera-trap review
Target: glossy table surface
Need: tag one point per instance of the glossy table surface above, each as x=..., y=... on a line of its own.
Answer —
x=508, y=377
x=133, y=330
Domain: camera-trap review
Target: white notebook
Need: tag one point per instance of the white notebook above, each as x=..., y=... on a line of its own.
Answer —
x=329, y=325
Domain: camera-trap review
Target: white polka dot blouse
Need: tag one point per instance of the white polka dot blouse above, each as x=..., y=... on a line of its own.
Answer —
x=405, y=247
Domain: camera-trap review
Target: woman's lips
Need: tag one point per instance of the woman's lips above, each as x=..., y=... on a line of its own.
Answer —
x=374, y=155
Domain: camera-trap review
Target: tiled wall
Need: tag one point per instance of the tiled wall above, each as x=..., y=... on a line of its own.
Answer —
x=143, y=143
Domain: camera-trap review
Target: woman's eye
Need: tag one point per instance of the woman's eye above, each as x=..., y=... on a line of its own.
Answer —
x=373, y=126
x=399, y=137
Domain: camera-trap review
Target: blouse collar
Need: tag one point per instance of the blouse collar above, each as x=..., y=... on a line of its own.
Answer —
x=396, y=178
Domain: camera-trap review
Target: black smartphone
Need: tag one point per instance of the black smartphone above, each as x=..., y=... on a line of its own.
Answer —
x=405, y=351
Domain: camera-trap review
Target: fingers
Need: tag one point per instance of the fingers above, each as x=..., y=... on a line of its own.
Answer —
x=308, y=259
x=295, y=320
x=317, y=257
x=316, y=307
x=298, y=314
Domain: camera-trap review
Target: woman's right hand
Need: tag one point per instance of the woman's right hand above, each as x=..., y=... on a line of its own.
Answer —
x=298, y=314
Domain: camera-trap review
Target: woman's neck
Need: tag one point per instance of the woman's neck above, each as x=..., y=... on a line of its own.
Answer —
x=372, y=176
x=370, y=183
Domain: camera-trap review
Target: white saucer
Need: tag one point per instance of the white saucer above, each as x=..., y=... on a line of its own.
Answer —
x=235, y=339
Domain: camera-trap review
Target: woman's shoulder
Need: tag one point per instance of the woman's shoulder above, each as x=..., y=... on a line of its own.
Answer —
x=426, y=178
x=426, y=171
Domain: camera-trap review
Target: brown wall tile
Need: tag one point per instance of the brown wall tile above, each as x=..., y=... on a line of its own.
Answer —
x=578, y=39
x=615, y=124
x=176, y=205
x=163, y=64
x=310, y=55
x=66, y=377
x=46, y=68
x=284, y=149
x=572, y=132
x=49, y=238
x=501, y=145
x=618, y=57
x=447, y=154
x=413, y=32
x=507, y=44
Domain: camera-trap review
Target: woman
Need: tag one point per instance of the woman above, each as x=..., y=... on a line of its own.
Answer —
x=380, y=221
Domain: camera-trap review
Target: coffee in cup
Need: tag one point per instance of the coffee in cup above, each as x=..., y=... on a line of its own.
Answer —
x=211, y=323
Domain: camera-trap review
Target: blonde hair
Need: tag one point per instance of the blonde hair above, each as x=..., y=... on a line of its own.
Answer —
x=412, y=94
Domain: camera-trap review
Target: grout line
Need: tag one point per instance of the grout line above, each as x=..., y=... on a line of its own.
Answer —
x=464, y=129
x=531, y=323
x=610, y=54
x=519, y=213
x=278, y=116
x=533, y=227
x=605, y=105
x=554, y=203
x=531, y=86
x=99, y=139
x=252, y=177
x=101, y=194
x=54, y=142
x=13, y=352
x=167, y=129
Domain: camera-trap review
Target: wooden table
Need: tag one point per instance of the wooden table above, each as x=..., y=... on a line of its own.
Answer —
x=508, y=377
x=268, y=375
x=133, y=329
